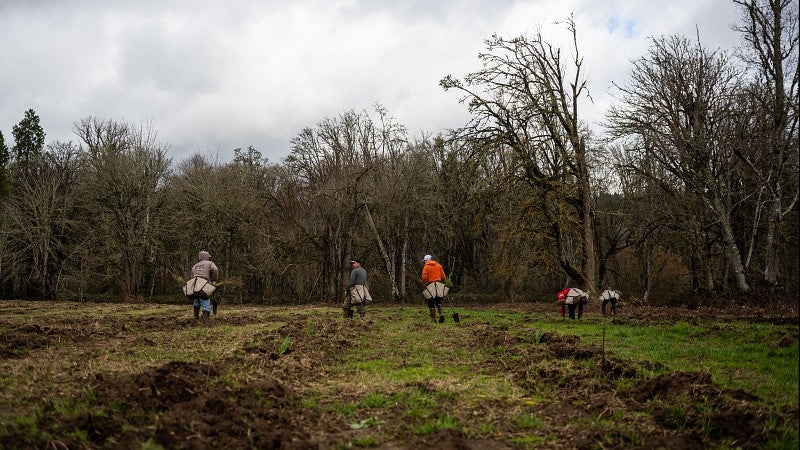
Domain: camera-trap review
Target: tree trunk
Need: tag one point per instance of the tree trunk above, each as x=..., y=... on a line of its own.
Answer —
x=589, y=265
x=771, y=268
x=754, y=233
x=731, y=249
x=390, y=272
x=403, y=260
x=348, y=256
x=648, y=271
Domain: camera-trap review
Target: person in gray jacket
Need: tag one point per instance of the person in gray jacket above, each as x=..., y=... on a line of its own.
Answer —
x=355, y=294
x=203, y=268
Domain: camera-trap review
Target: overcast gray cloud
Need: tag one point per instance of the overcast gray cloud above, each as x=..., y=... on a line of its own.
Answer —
x=212, y=76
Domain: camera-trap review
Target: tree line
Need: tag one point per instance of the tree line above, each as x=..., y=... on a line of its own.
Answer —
x=690, y=193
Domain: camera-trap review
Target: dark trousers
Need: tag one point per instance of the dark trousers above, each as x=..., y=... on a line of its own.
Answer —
x=613, y=302
x=579, y=307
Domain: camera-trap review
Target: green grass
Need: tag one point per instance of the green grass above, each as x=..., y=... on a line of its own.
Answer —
x=378, y=400
x=530, y=441
x=440, y=423
x=400, y=375
x=528, y=421
x=346, y=409
x=739, y=355
x=285, y=343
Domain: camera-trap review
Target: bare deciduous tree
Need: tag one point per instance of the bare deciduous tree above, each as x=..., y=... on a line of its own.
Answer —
x=41, y=221
x=770, y=31
x=125, y=169
x=526, y=99
x=679, y=102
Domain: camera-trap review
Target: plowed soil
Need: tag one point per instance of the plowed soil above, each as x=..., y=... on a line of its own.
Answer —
x=80, y=376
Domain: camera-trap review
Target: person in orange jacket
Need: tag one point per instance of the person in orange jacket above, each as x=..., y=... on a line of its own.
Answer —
x=433, y=278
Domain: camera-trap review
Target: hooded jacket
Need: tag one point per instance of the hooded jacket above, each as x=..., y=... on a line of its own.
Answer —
x=431, y=272
x=205, y=268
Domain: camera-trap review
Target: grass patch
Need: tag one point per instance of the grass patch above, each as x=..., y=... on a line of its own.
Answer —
x=528, y=421
x=378, y=400
x=739, y=355
x=397, y=379
x=529, y=441
x=446, y=422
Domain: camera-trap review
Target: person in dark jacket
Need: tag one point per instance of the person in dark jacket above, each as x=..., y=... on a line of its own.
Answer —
x=356, y=291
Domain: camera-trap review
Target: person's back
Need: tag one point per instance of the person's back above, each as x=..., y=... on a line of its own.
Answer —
x=574, y=298
x=358, y=276
x=204, y=267
x=432, y=272
x=609, y=296
x=433, y=278
x=357, y=294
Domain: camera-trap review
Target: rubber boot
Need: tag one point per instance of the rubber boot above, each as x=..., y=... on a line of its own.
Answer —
x=206, y=314
x=196, y=312
x=441, y=314
x=348, y=313
x=433, y=315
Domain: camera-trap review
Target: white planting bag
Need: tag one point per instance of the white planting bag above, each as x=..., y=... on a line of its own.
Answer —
x=435, y=289
x=198, y=287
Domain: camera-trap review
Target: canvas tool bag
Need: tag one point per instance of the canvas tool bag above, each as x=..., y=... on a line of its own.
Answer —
x=358, y=294
x=576, y=296
x=434, y=290
x=198, y=287
x=608, y=295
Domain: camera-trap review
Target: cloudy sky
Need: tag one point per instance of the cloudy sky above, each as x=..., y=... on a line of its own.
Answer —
x=211, y=76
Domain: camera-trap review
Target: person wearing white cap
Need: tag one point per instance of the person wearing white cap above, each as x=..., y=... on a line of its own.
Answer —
x=434, y=278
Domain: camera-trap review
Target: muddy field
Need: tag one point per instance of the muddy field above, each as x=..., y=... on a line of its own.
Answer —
x=144, y=376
